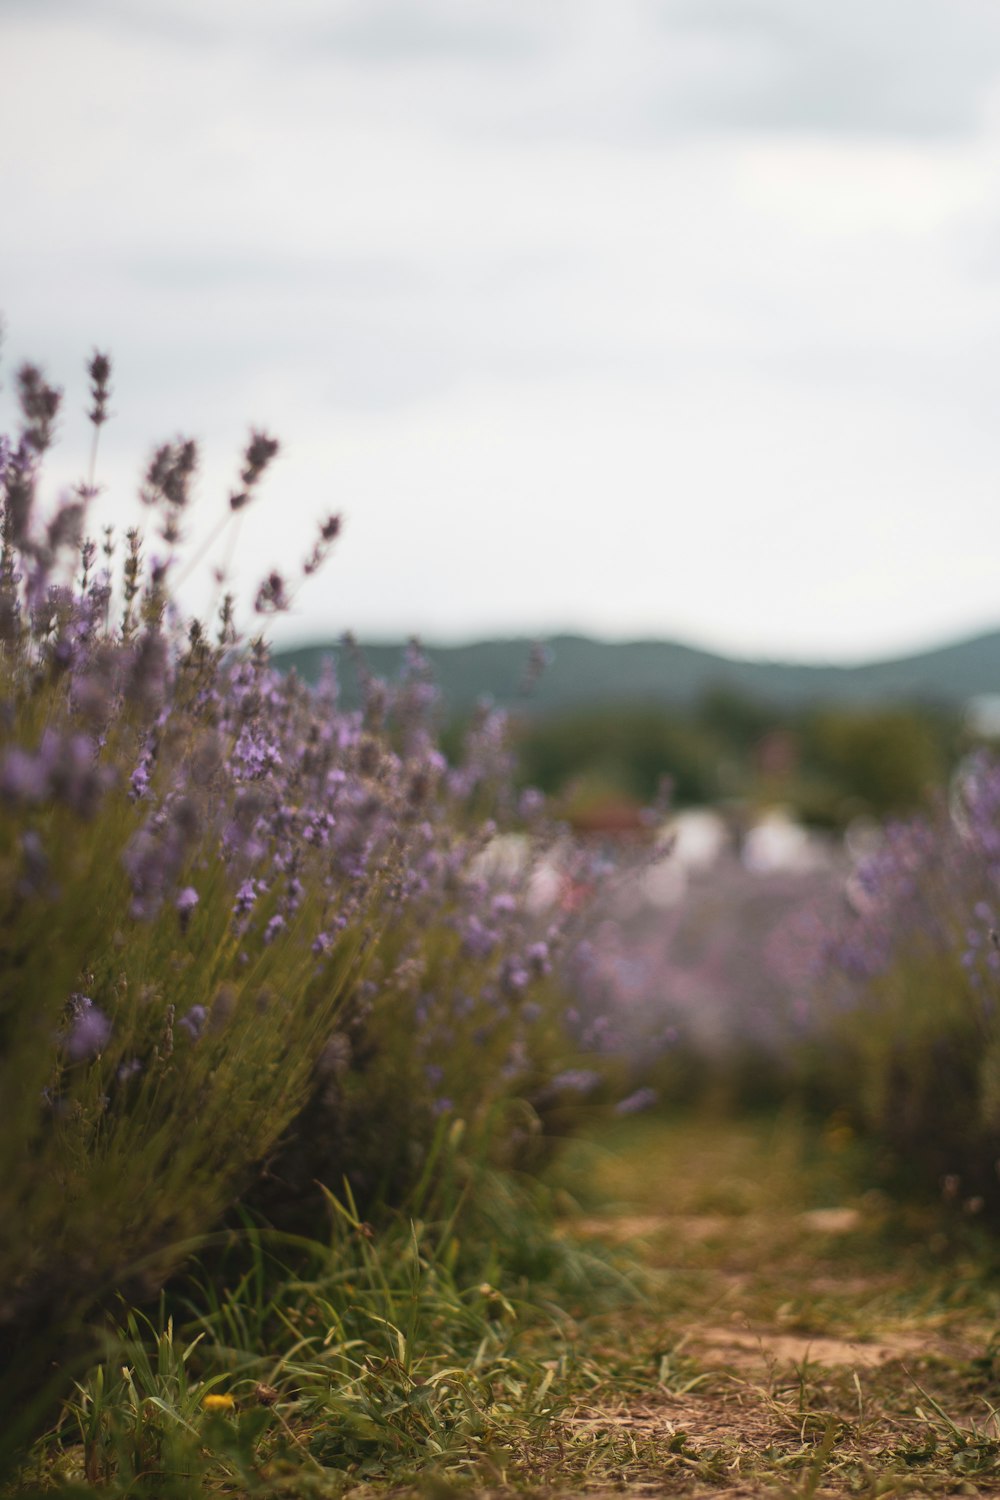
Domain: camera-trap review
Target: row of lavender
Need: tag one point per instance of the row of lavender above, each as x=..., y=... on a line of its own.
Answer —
x=243, y=925
x=909, y=984
x=226, y=906
x=864, y=981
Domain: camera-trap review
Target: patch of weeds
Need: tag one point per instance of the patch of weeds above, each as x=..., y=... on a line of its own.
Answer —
x=302, y=1367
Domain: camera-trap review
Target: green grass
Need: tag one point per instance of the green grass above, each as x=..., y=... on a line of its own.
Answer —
x=695, y=1320
x=286, y=1366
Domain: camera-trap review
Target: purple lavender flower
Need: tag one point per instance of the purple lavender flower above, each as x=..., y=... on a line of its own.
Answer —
x=194, y=1022
x=139, y=780
x=271, y=596
x=155, y=856
x=514, y=977
x=187, y=900
x=538, y=958
x=255, y=754
x=245, y=898
x=69, y=765
x=531, y=804
x=277, y=924
x=90, y=1031
x=185, y=903
x=24, y=777
x=477, y=940
x=635, y=1103
x=576, y=1080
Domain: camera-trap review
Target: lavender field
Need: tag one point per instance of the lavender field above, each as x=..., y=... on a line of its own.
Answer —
x=296, y=1006
x=499, y=750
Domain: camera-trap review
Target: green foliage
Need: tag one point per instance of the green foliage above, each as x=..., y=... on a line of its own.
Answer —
x=630, y=750
x=385, y=1086
x=878, y=761
x=292, y=1364
x=827, y=765
x=917, y=1075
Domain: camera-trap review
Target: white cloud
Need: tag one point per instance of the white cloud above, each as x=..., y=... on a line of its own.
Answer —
x=518, y=281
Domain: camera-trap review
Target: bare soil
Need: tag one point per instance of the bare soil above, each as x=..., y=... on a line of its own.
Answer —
x=804, y=1335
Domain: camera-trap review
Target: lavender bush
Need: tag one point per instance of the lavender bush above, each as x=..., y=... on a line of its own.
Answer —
x=458, y=1012
x=227, y=906
x=909, y=990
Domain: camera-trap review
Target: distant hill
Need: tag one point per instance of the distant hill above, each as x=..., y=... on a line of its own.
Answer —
x=584, y=671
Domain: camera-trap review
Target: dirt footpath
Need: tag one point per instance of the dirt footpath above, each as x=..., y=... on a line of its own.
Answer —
x=803, y=1335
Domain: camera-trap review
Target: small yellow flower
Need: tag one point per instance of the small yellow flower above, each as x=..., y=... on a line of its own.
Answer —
x=218, y=1403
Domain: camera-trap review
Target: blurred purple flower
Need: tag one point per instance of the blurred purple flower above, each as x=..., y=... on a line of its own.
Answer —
x=531, y=804
x=139, y=780
x=90, y=1031
x=577, y=1080
x=539, y=959
x=245, y=898
x=514, y=977
x=194, y=1022
x=635, y=1103
x=477, y=940
x=185, y=903
x=24, y=777
x=187, y=900
x=277, y=924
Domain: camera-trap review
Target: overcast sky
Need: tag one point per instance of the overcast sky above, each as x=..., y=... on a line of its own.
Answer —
x=636, y=317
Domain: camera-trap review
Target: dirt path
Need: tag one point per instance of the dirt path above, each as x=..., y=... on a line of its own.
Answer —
x=802, y=1336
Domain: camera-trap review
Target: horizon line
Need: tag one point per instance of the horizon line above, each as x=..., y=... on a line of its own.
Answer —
x=528, y=638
